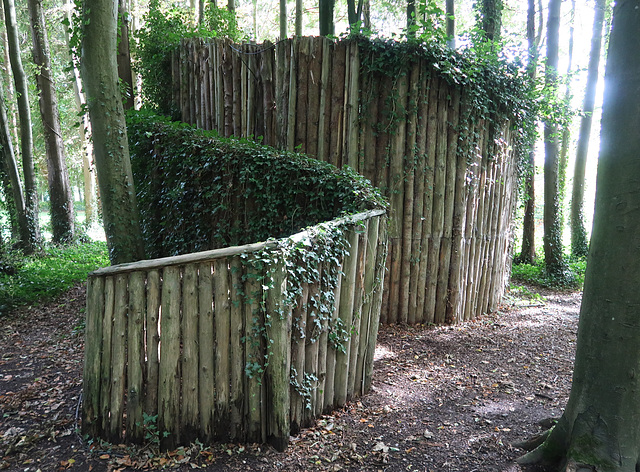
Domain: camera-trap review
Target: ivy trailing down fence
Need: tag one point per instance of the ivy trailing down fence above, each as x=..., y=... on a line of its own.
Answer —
x=436, y=134
x=248, y=342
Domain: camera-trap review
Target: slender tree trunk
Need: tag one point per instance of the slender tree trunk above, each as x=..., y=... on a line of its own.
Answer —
x=100, y=77
x=298, y=18
x=283, y=19
x=528, y=249
x=366, y=15
x=201, y=5
x=14, y=193
x=451, y=23
x=124, y=56
x=491, y=16
x=579, y=243
x=354, y=14
x=254, y=17
x=26, y=137
x=61, y=207
x=9, y=91
x=566, y=130
x=231, y=5
x=553, y=256
x=325, y=11
x=600, y=427
x=411, y=18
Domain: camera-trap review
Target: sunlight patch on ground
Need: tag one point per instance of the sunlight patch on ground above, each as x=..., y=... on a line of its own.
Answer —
x=383, y=352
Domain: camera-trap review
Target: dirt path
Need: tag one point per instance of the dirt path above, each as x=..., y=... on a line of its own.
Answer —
x=443, y=399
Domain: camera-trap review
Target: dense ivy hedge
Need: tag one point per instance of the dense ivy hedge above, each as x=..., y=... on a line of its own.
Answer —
x=198, y=191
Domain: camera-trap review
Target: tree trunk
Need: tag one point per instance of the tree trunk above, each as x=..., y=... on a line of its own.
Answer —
x=231, y=5
x=325, y=11
x=411, y=18
x=552, y=227
x=491, y=17
x=366, y=15
x=600, y=428
x=451, y=25
x=354, y=13
x=528, y=249
x=100, y=76
x=61, y=208
x=124, y=56
x=283, y=19
x=26, y=138
x=579, y=245
x=299, y=17
x=566, y=131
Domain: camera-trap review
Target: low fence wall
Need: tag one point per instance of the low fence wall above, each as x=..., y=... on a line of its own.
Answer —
x=448, y=169
x=233, y=344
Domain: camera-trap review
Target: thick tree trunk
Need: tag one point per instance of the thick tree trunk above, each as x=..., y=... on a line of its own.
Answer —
x=600, y=428
x=100, y=76
x=552, y=226
x=325, y=11
x=579, y=245
x=26, y=138
x=61, y=201
x=491, y=17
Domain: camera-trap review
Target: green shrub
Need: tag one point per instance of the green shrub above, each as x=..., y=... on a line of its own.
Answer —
x=50, y=273
x=536, y=274
x=197, y=191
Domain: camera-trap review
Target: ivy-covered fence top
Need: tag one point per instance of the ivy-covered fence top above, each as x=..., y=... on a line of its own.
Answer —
x=248, y=342
x=437, y=132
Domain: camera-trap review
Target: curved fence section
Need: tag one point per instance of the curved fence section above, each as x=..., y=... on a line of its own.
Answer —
x=242, y=343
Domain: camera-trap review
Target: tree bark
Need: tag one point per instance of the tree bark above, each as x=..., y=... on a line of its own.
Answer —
x=298, y=17
x=26, y=137
x=283, y=19
x=579, y=245
x=600, y=428
x=491, y=18
x=566, y=130
x=124, y=56
x=528, y=249
x=61, y=201
x=552, y=226
x=451, y=25
x=325, y=10
x=411, y=18
x=100, y=75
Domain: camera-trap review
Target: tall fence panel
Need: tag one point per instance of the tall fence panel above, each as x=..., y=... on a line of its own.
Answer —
x=182, y=341
x=449, y=175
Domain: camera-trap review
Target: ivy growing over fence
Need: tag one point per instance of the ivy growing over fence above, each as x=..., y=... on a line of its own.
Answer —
x=197, y=191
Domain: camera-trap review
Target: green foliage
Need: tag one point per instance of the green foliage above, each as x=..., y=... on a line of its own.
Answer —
x=536, y=274
x=197, y=191
x=50, y=273
x=160, y=35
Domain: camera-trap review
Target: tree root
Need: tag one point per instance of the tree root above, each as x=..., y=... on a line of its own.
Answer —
x=573, y=466
x=534, y=442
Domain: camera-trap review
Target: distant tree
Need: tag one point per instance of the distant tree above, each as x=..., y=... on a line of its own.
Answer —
x=61, y=201
x=124, y=56
x=599, y=429
x=491, y=18
x=411, y=18
x=32, y=238
x=283, y=19
x=354, y=13
x=579, y=244
x=451, y=25
x=325, y=11
x=566, y=129
x=299, y=9
x=100, y=77
x=553, y=250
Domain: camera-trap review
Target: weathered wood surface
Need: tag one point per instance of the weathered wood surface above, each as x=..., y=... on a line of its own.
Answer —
x=207, y=341
x=405, y=134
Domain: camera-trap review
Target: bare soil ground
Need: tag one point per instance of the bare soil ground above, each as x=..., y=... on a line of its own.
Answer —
x=443, y=398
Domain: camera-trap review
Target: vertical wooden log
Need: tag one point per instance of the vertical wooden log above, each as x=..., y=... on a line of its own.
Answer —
x=190, y=406
x=206, y=345
x=244, y=91
x=105, y=366
x=326, y=291
x=269, y=100
x=227, y=85
x=330, y=363
x=169, y=372
x=293, y=95
x=419, y=248
x=92, y=356
x=254, y=352
x=324, y=137
x=135, y=356
x=410, y=162
x=298, y=341
x=302, y=101
x=370, y=96
x=372, y=285
x=444, y=263
x=396, y=197
x=312, y=338
x=236, y=393
x=357, y=317
x=345, y=315
x=118, y=359
x=283, y=77
x=352, y=113
x=313, y=95
x=175, y=77
x=207, y=87
x=222, y=322
x=278, y=323
x=197, y=83
x=184, y=80
x=381, y=257
x=337, y=104
x=152, y=340
x=234, y=55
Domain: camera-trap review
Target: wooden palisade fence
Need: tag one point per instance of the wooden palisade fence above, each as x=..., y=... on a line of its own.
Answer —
x=209, y=344
x=449, y=173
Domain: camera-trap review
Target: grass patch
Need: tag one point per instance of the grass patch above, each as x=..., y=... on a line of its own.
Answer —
x=50, y=273
x=536, y=274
